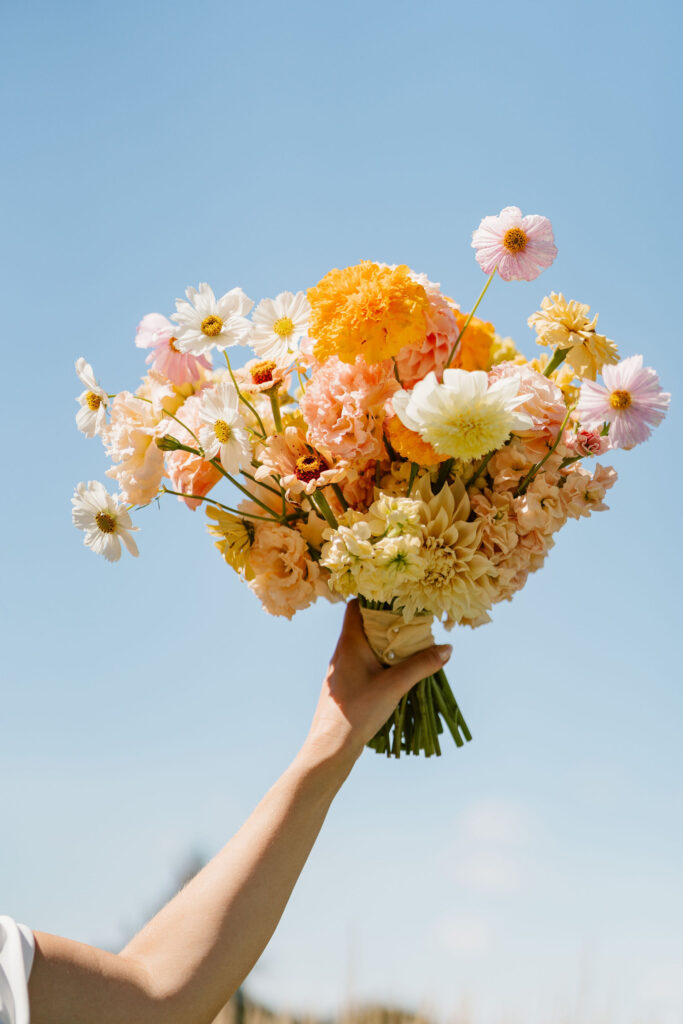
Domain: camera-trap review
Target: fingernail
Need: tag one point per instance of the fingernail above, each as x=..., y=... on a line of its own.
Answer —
x=445, y=651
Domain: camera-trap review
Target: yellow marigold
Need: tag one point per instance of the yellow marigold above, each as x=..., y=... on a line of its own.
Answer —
x=236, y=536
x=367, y=310
x=566, y=325
x=409, y=444
x=473, y=352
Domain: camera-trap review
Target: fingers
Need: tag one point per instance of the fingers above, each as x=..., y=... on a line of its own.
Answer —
x=418, y=666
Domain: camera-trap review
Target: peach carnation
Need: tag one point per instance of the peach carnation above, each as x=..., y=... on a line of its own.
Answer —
x=544, y=403
x=190, y=473
x=344, y=407
x=129, y=442
x=368, y=310
x=415, y=361
x=301, y=469
x=285, y=579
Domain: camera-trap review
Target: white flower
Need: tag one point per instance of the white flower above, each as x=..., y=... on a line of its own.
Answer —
x=464, y=417
x=279, y=325
x=223, y=432
x=91, y=417
x=206, y=322
x=105, y=520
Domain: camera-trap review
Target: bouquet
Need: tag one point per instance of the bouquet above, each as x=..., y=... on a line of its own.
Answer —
x=379, y=444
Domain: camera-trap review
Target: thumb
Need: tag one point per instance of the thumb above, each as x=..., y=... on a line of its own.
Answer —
x=418, y=666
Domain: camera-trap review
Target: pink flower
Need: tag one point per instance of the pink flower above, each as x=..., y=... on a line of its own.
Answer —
x=519, y=247
x=631, y=401
x=540, y=508
x=301, y=469
x=129, y=441
x=344, y=408
x=583, y=493
x=190, y=473
x=156, y=332
x=585, y=442
x=415, y=361
x=285, y=578
x=544, y=403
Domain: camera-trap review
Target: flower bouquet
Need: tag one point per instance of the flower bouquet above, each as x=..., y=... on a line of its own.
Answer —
x=380, y=444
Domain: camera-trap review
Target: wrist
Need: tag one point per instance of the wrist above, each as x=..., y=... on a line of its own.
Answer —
x=325, y=766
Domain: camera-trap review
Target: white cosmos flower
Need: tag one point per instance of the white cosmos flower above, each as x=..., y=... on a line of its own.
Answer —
x=279, y=325
x=205, y=322
x=464, y=417
x=105, y=520
x=223, y=432
x=91, y=417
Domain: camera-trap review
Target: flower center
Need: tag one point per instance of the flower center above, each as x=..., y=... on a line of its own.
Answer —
x=222, y=431
x=308, y=467
x=93, y=401
x=620, y=399
x=172, y=341
x=283, y=327
x=515, y=240
x=105, y=522
x=263, y=372
x=212, y=326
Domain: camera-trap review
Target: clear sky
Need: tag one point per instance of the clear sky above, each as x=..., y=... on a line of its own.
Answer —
x=146, y=706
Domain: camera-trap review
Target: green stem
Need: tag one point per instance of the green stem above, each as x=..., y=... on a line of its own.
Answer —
x=521, y=488
x=413, y=473
x=275, y=406
x=340, y=496
x=449, y=696
x=393, y=359
x=481, y=467
x=469, y=317
x=444, y=471
x=244, y=490
x=260, y=483
x=212, y=501
x=559, y=356
x=180, y=422
x=324, y=507
x=241, y=396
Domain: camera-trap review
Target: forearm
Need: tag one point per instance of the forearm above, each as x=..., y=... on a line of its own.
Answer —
x=189, y=959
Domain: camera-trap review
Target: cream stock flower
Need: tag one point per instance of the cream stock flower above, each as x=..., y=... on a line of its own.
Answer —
x=565, y=325
x=396, y=562
x=346, y=551
x=391, y=515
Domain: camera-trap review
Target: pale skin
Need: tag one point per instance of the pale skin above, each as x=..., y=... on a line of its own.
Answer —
x=192, y=956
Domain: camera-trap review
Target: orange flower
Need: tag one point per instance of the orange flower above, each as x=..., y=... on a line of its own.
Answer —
x=473, y=352
x=367, y=310
x=409, y=444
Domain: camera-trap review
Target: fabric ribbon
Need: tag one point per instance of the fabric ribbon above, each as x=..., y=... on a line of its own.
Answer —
x=392, y=638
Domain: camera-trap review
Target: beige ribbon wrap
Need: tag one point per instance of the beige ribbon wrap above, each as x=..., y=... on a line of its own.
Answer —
x=392, y=638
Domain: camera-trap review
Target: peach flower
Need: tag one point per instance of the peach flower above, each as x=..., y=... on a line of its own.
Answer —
x=540, y=508
x=359, y=489
x=129, y=442
x=190, y=473
x=344, y=407
x=583, y=493
x=498, y=528
x=509, y=466
x=285, y=578
x=414, y=362
x=544, y=403
x=301, y=469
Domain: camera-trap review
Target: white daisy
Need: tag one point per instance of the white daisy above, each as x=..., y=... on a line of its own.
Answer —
x=91, y=417
x=279, y=325
x=464, y=417
x=105, y=520
x=206, y=322
x=223, y=432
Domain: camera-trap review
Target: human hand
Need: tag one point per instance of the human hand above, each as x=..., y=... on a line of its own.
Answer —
x=359, y=694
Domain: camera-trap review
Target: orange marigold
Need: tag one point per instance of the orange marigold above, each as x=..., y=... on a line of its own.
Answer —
x=367, y=310
x=409, y=444
x=473, y=352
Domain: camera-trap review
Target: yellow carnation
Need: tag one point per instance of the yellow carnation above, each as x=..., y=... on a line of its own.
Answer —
x=566, y=325
x=367, y=310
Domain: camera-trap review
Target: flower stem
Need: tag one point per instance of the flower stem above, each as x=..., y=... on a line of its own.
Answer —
x=393, y=359
x=481, y=467
x=340, y=496
x=244, y=490
x=521, y=488
x=275, y=406
x=558, y=357
x=413, y=473
x=469, y=317
x=226, y=508
x=241, y=396
x=324, y=507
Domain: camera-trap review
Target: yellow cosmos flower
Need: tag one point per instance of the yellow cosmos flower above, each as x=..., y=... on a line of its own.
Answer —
x=235, y=535
x=367, y=310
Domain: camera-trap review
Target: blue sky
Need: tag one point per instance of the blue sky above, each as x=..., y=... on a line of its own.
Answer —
x=146, y=706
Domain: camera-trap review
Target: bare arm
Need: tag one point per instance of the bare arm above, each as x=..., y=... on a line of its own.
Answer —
x=188, y=960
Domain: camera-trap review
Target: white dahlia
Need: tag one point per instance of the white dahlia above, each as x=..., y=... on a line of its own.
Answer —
x=104, y=519
x=223, y=432
x=279, y=325
x=464, y=417
x=91, y=417
x=205, y=322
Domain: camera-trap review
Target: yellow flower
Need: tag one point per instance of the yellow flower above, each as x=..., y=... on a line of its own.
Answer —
x=566, y=325
x=409, y=444
x=473, y=352
x=236, y=537
x=504, y=350
x=367, y=310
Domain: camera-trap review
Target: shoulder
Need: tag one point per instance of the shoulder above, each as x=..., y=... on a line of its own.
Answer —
x=17, y=948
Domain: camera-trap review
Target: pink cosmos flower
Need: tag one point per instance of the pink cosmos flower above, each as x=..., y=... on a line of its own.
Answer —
x=519, y=247
x=156, y=332
x=631, y=402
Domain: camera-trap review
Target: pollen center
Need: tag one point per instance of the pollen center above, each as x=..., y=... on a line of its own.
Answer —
x=308, y=467
x=172, y=342
x=222, y=431
x=212, y=326
x=263, y=372
x=105, y=522
x=515, y=240
x=620, y=399
x=93, y=401
x=283, y=327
